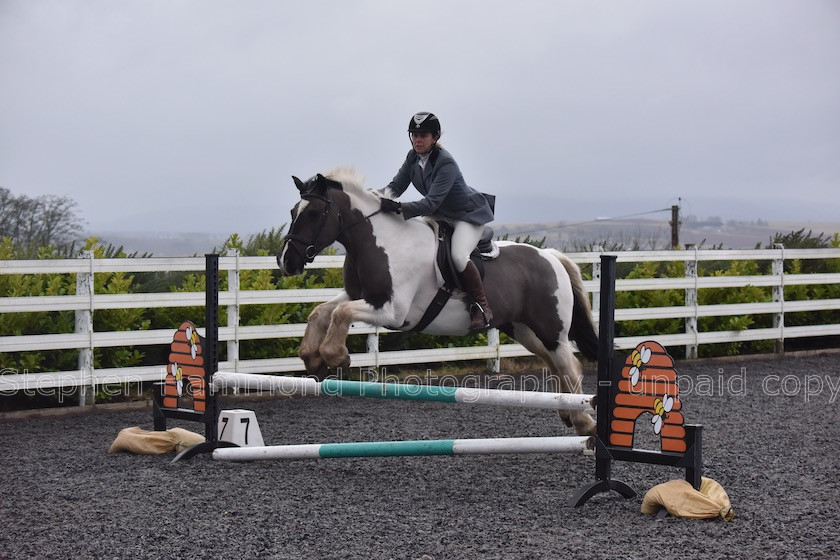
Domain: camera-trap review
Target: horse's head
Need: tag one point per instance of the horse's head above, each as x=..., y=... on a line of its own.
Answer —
x=315, y=224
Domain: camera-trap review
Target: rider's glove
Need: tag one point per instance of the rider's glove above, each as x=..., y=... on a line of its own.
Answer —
x=389, y=205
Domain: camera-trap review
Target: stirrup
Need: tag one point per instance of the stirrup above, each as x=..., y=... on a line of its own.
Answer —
x=473, y=328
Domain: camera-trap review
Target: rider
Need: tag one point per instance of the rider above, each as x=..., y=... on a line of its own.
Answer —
x=446, y=195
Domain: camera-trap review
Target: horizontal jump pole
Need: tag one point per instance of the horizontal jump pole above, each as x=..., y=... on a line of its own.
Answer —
x=491, y=446
x=286, y=385
x=282, y=385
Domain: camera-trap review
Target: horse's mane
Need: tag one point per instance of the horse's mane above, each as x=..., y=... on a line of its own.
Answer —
x=353, y=183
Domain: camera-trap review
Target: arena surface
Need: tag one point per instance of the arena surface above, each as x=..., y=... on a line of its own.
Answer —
x=770, y=438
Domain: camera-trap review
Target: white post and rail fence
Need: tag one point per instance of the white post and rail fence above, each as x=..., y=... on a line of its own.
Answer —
x=85, y=303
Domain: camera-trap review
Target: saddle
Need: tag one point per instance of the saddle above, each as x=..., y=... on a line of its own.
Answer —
x=485, y=250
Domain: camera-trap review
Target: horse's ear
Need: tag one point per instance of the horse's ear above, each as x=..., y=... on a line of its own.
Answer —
x=321, y=182
x=299, y=184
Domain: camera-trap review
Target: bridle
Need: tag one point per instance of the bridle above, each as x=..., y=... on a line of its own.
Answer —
x=312, y=248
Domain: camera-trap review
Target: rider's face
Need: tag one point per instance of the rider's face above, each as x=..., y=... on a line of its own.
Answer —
x=422, y=142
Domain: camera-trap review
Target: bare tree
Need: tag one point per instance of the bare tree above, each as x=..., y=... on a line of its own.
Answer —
x=43, y=221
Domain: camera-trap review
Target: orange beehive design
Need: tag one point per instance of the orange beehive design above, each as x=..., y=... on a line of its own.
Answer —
x=648, y=384
x=185, y=372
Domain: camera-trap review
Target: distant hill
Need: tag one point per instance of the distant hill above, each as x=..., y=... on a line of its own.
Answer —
x=656, y=234
x=164, y=244
x=567, y=236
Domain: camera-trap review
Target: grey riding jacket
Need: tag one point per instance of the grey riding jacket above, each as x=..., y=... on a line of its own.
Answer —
x=445, y=192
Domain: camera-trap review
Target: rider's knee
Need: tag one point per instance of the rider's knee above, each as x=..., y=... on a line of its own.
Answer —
x=460, y=261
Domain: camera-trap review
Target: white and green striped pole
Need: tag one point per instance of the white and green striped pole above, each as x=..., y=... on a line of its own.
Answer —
x=560, y=444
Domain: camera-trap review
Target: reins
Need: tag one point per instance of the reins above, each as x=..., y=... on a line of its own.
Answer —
x=312, y=250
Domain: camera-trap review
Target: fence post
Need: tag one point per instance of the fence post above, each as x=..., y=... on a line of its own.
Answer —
x=494, y=364
x=372, y=345
x=691, y=350
x=779, y=296
x=233, y=313
x=84, y=324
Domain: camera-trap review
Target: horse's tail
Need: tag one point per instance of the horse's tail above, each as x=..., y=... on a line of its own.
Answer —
x=582, y=329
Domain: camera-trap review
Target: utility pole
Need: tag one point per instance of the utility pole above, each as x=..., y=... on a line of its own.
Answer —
x=675, y=226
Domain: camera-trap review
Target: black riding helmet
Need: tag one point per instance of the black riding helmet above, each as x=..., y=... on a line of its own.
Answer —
x=424, y=122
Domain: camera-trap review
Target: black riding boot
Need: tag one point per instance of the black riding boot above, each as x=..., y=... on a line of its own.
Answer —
x=480, y=314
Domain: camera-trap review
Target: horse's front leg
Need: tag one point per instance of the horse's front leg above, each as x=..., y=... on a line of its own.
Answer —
x=316, y=329
x=334, y=348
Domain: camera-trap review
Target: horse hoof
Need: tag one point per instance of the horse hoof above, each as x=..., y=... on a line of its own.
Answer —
x=311, y=360
x=586, y=426
x=318, y=371
x=314, y=364
x=343, y=366
x=337, y=359
x=564, y=416
x=582, y=423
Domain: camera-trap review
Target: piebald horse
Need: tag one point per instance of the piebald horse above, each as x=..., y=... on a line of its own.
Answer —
x=390, y=277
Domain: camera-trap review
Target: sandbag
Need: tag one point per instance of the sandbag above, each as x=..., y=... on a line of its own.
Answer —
x=145, y=442
x=680, y=499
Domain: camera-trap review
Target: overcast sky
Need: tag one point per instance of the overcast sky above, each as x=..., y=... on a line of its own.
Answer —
x=191, y=115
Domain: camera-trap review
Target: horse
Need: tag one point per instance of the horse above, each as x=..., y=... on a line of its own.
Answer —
x=390, y=277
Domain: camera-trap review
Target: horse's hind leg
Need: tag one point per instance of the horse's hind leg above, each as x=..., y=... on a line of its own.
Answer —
x=571, y=381
x=562, y=363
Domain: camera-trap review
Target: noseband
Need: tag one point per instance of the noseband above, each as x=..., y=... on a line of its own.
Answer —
x=308, y=254
x=312, y=249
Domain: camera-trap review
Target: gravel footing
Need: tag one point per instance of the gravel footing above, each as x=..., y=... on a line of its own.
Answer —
x=770, y=438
